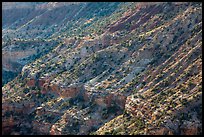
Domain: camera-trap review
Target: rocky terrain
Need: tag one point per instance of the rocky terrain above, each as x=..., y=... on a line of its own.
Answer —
x=127, y=68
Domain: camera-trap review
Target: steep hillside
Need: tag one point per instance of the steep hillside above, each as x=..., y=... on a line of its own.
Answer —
x=103, y=68
x=31, y=30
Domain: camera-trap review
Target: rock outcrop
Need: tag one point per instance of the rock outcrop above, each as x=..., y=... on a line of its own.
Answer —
x=118, y=69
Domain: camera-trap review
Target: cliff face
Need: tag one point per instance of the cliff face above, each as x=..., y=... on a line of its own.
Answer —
x=16, y=54
x=121, y=68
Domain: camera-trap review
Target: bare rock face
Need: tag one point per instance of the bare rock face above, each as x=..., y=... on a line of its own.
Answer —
x=189, y=131
x=41, y=83
x=86, y=96
x=43, y=91
x=101, y=102
x=7, y=125
x=42, y=128
x=31, y=82
x=109, y=100
x=84, y=129
x=54, y=131
x=65, y=92
x=138, y=58
x=120, y=100
x=189, y=128
x=18, y=108
x=70, y=92
x=55, y=88
x=161, y=131
x=131, y=105
x=5, y=107
x=105, y=100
